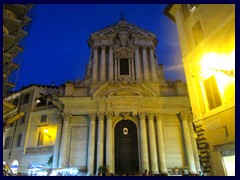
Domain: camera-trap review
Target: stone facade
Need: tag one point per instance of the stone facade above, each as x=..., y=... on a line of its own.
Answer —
x=125, y=88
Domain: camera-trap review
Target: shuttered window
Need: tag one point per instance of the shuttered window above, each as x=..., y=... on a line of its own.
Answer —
x=212, y=93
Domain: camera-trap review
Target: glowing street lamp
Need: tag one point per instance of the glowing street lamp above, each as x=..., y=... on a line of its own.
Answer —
x=46, y=131
x=224, y=63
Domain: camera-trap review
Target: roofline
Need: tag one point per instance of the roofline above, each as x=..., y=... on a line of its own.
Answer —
x=31, y=85
x=166, y=12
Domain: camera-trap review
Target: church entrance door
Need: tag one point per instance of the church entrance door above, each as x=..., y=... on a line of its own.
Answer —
x=126, y=147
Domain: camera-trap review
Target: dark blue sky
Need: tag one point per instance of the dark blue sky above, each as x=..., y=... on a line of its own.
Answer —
x=56, y=47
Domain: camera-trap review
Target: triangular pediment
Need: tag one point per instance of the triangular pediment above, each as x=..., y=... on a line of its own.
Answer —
x=123, y=26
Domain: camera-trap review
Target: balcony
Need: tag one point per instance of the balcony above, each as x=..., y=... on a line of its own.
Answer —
x=39, y=150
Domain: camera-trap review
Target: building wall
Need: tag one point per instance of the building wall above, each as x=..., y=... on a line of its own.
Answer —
x=215, y=52
x=29, y=126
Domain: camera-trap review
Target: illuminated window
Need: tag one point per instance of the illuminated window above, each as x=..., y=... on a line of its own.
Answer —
x=229, y=162
x=19, y=139
x=212, y=93
x=43, y=118
x=197, y=33
x=7, y=142
x=40, y=139
x=124, y=67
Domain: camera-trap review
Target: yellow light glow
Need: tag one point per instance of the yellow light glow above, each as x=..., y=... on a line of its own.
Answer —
x=214, y=61
x=219, y=65
x=46, y=130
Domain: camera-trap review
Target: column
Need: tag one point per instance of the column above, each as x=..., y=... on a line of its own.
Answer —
x=133, y=69
x=161, y=146
x=95, y=64
x=153, y=147
x=194, y=146
x=189, y=150
x=153, y=65
x=103, y=64
x=57, y=144
x=109, y=143
x=116, y=68
x=100, y=139
x=145, y=64
x=110, y=63
x=137, y=64
x=63, y=159
x=91, y=143
x=143, y=143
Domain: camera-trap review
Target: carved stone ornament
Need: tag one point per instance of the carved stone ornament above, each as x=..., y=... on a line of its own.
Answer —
x=125, y=93
x=123, y=36
x=125, y=131
x=123, y=39
x=124, y=81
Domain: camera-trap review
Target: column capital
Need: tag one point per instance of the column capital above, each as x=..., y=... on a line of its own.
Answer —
x=159, y=116
x=109, y=115
x=92, y=116
x=186, y=115
x=66, y=116
x=150, y=115
x=142, y=115
x=151, y=48
x=110, y=46
x=95, y=47
x=103, y=46
x=100, y=116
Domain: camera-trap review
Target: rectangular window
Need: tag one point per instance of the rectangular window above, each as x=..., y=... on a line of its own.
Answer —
x=40, y=139
x=19, y=139
x=197, y=32
x=26, y=98
x=7, y=142
x=43, y=118
x=212, y=93
x=124, y=67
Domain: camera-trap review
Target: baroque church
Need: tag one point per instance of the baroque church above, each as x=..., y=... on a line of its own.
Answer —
x=124, y=114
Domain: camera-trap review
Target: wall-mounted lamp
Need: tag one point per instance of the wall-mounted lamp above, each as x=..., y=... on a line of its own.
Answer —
x=46, y=131
x=226, y=72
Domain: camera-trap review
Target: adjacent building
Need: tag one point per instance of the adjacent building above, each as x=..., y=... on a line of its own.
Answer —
x=30, y=140
x=207, y=40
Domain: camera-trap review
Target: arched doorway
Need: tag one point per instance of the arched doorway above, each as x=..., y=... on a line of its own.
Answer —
x=126, y=147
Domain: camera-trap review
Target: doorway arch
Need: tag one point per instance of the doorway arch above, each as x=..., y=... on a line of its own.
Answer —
x=126, y=147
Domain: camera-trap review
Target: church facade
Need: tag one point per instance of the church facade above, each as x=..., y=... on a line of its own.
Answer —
x=125, y=115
